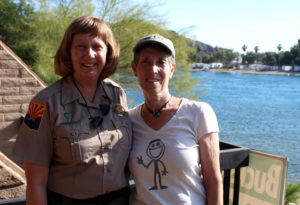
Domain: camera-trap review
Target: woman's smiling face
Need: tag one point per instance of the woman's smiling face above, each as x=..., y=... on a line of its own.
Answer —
x=153, y=69
x=88, y=55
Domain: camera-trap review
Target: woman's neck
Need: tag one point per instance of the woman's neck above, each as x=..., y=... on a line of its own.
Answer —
x=154, y=102
x=87, y=88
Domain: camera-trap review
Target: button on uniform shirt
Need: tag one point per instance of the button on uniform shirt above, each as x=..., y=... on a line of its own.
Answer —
x=57, y=133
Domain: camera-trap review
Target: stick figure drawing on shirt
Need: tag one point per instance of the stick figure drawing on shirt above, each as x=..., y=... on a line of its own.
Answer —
x=155, y=151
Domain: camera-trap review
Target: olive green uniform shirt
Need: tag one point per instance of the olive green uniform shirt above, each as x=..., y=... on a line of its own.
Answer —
x=57, y=133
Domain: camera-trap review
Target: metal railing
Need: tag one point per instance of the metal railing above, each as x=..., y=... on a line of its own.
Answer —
x=232, y=158
x=14, y=201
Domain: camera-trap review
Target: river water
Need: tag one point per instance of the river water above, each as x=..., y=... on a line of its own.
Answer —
x=257, y=111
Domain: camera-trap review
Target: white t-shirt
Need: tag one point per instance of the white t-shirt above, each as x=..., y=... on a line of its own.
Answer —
x=165, y=162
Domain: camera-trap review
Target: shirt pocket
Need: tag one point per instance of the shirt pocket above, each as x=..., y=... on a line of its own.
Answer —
x=78, y=144
x=123, y=131
x=84, y=145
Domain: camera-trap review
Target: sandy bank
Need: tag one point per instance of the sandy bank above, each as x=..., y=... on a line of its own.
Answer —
x=250, y=71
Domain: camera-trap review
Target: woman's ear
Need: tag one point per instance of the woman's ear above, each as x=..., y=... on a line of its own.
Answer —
x=172, y=69
x=133, y=66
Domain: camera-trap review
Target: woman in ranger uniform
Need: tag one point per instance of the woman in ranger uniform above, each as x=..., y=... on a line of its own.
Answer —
x=76, y=135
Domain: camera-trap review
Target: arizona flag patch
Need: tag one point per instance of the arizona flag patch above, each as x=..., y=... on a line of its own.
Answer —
x=34, y=115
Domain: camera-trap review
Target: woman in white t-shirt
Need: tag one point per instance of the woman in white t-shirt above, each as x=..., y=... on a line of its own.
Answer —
x=175, y=152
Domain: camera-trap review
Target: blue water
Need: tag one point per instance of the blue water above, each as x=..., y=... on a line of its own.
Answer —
x=261, y=112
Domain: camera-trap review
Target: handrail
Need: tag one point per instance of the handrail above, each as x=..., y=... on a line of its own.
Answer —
x=14, y=201
x=232, y=157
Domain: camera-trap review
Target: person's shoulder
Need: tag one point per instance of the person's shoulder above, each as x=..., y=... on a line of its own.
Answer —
x=45, y=94
x=134, y=112
x=134, y=109
x=111, y=83
x=188, y=102
x=193, y=104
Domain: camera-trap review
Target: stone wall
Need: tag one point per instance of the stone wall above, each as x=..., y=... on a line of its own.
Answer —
x=18, y=84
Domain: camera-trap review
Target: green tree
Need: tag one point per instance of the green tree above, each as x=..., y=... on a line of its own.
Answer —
x=199, y=49
x=208, y=58
x=229, y=57
x=295, y=51
x=52, y=19
x=182, y=48
x=130, y=21
x=17, y=32
x=286, y=58
x=250, y=57
x=292, y=193
x=123, y=16
x=195, y=57
x=269, y=58
x=225, y=56
x=127, y=39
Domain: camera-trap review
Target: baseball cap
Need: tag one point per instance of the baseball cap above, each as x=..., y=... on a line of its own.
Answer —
x=155, y=39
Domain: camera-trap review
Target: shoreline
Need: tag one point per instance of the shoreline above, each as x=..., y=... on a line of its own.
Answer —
x=231, y=70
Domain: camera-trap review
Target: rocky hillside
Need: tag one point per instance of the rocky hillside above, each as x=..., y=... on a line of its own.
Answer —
x=202, y=48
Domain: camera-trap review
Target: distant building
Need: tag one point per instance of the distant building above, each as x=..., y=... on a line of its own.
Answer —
x=216, y=65
x=201, y=66
x=286, y=68
x=296, y=68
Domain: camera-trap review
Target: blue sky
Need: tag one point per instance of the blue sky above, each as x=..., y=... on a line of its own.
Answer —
x=233, y=23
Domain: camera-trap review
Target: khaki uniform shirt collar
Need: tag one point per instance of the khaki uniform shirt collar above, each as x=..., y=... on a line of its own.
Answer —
x=107, y=91
x=71, y=93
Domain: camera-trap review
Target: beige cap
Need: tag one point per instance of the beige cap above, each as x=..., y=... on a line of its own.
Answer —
x=155, y=39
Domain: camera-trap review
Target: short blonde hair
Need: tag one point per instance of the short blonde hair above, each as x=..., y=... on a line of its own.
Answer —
x=97, y=27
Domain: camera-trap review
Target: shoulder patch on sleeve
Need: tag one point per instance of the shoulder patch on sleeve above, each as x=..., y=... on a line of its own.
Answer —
x=34, y=115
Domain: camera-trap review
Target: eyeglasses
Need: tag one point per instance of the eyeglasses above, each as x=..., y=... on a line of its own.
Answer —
x=97, y=121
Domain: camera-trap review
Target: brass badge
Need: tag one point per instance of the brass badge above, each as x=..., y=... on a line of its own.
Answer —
x=119, y=110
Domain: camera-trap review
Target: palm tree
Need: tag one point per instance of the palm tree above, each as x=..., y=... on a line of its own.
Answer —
x=256, y=50
x=279, y=47
x=244, y=48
